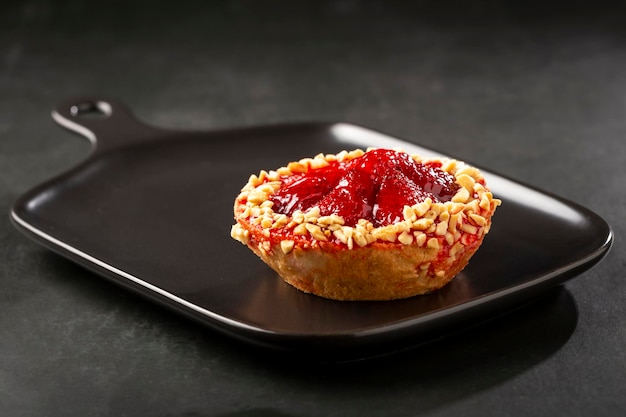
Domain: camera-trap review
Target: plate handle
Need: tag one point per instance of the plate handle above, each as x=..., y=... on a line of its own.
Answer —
x=106, y=123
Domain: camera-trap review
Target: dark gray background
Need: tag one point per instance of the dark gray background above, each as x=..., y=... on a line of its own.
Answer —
x=536, y=91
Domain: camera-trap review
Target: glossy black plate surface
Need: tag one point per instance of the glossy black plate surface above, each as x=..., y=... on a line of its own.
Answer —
x=151, y=209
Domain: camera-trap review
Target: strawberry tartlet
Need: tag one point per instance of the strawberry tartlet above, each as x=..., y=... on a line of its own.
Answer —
x=379, y=224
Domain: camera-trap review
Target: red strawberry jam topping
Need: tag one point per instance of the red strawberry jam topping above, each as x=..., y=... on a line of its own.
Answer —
x=375, y=186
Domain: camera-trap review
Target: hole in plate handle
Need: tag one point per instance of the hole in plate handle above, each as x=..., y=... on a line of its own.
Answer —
x=91, y=110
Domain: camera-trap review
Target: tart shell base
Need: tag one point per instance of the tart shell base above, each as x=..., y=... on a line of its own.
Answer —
x=381, y=271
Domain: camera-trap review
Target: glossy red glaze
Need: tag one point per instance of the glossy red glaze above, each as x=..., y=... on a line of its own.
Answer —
x=375, y=187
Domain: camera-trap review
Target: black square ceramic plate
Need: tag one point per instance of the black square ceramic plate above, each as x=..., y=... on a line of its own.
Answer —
x=151, y=209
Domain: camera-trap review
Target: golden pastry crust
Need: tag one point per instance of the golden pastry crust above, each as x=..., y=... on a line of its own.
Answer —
x=321, y=255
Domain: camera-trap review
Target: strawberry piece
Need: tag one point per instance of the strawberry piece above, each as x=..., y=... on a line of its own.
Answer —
x=395, y=192
x=352, y=198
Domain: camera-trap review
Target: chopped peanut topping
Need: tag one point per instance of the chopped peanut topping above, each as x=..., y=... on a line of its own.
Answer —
x=287, y=245
x=433, y=243
x=426, y=224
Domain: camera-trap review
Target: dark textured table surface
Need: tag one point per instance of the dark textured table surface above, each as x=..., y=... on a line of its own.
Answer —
x=535, y=92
